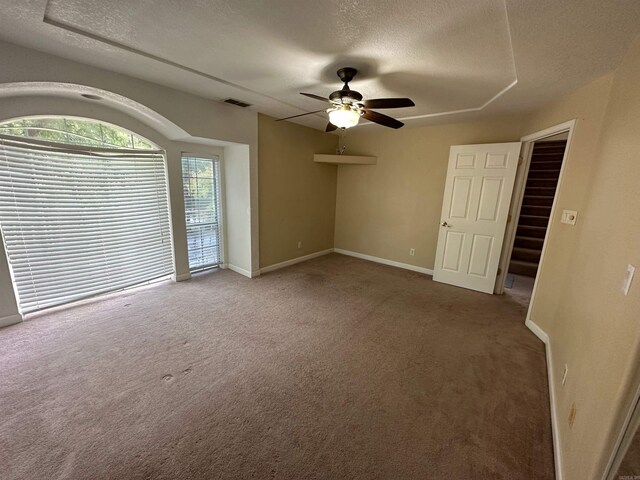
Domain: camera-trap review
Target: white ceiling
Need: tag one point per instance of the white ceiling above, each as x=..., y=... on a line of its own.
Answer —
x=477, y=58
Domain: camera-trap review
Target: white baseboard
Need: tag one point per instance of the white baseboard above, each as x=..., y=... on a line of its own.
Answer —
x=371, y=258
x=10, y=320
x=242, y=271
x=293, y=261
x=538, y=332
x=557, y=454
x=181, y=278
x=384, y=261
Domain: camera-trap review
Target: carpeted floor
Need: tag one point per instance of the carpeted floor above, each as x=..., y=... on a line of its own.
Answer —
x=336, y=368
x=520, y=289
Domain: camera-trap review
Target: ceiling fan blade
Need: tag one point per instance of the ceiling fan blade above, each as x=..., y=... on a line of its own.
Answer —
x=330, y=127
x=299, y=115
x=389, y=103
x=382, y=119
x=316, y=97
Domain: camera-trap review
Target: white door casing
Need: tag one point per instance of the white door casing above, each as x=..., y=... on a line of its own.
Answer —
x=475, y=208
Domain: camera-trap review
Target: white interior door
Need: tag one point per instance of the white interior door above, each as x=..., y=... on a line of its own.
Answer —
x=474, y=214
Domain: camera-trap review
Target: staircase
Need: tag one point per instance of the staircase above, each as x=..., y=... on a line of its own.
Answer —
x=540, y=189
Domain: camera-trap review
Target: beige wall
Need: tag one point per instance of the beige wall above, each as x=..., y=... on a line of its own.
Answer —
x=587, y=106
x=386, y=209
x=592, y=326
x=297, y=195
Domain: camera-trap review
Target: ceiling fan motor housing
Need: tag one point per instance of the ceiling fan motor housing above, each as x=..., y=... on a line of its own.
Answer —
x=346, y=74
x=345, y=96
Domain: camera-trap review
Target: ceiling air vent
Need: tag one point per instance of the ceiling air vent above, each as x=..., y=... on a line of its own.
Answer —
x=239, y=103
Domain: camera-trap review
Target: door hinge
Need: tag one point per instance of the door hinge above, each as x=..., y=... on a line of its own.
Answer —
x=499, y=271
x=509, y=218
x=520, y=161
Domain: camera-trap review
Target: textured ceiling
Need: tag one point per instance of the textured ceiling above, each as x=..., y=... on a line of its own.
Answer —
x=455, y=58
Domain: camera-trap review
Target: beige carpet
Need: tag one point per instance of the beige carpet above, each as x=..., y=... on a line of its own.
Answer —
x=336, y=368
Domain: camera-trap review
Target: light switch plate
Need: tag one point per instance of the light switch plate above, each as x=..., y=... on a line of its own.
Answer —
x=569, y=217
x=628, y=277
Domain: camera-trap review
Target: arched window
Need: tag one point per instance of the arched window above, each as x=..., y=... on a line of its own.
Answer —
x=74, y=131
x=83, y=209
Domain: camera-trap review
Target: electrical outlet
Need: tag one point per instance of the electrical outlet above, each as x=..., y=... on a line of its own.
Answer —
x=412, y=251
x=564, y=374
x=299, y=243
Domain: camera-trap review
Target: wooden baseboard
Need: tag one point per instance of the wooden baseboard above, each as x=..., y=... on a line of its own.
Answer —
x=242, y=271
x=293, y=261
x=10, y=320
x=181, y=278
x=557, y=454
x=384, y=261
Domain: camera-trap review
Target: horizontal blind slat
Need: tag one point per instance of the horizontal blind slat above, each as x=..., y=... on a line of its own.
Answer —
x=33, y=303
x=105, y=267
x=201, y=183
x=77, y=223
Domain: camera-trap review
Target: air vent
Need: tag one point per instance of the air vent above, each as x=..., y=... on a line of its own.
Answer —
x=239, y=103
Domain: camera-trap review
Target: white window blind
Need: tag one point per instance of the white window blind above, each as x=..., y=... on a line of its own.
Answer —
x=78, y=222
x=201, y=185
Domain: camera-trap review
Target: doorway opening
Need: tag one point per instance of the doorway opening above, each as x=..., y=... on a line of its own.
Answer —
x=533, y=205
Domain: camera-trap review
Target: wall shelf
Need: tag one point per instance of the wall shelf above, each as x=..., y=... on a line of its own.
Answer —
x=345, y=159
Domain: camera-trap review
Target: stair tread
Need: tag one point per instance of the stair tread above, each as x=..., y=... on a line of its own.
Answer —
x=550, y=143
x=537, y=206
x=535, y=166
x=527, y=250
x=544, y=174
x=524, y=263
x=541, y=189
x=524, y=237
x=532, y=226
x=539, y=196
x=546, y=217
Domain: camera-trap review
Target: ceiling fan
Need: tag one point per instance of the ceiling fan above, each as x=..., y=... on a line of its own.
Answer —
x=347, y=106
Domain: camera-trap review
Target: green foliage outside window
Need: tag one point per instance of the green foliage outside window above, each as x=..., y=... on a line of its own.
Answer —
x=74, y=131
x=198, y=185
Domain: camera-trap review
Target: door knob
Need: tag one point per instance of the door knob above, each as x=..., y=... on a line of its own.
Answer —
x=445, y=224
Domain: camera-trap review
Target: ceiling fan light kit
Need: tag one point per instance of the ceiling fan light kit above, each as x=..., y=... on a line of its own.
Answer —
x=344, y=116
x=347, y=106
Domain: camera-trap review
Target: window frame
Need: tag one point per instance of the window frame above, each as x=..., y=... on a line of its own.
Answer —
x=222, y=231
